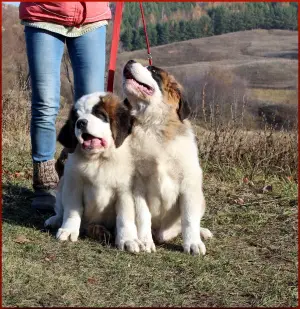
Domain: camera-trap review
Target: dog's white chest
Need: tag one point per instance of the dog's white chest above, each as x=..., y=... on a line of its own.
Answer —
x=162, y=193
x=98, y=204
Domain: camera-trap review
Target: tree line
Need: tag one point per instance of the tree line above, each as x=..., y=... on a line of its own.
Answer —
x=220, y=19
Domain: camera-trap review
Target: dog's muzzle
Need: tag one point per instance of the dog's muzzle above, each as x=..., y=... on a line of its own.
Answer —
x=127, y=69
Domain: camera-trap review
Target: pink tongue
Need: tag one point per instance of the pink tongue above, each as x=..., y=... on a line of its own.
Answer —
x=141, y=87
x=92, y=142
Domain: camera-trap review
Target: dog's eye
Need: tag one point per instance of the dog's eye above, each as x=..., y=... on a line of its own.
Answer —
x=102, y=116
x=151, y=69
x=99, y=112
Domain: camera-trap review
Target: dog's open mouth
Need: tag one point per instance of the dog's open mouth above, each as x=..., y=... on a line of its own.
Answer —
x=137, y=84
x=92, y=142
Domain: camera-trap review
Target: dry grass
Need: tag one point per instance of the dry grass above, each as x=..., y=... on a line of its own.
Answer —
x=251, y=189
x=251, y=261
x=254, y=153
x=16, y=119
x=282, y=96
x=269, y=73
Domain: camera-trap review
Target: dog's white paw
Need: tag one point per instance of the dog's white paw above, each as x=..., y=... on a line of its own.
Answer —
x=54, y=222
x=205, y=233
x=194, y=247
x=64, y=234
x=148, y=245
x=132, y=246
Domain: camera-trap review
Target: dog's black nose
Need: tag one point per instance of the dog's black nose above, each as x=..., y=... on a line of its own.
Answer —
x=81, y=124
x=130, y=62
x=127, y=69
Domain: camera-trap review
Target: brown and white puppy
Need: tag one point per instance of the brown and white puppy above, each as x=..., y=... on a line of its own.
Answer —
x=96, y=186
x=168, y=177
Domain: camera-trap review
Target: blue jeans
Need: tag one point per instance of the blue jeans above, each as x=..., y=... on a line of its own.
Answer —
x=45, y=51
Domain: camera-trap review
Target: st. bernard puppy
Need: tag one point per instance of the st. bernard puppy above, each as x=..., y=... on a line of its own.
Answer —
x=96, y=185
x=168, y=177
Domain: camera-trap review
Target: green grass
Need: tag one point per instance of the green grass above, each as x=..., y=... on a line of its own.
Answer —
x=251, y=261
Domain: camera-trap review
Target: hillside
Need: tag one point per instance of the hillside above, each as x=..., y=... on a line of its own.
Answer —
x=256, y=69
x=243, y=91
x=264, y=58
x=257, y=55
x=261, y=59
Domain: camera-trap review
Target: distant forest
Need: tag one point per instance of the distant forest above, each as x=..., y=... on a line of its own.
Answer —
x=213, y=21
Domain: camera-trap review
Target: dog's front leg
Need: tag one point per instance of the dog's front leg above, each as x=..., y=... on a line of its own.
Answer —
x=126, y=237
x=143, y=222
x=192, y=207
x=72, y=200
x=143, y=217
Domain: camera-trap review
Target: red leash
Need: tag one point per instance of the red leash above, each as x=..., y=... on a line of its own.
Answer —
x=146, y=35
x=114, y=46
x=115, y=43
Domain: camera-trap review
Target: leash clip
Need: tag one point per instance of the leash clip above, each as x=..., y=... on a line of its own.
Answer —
x=150, y=58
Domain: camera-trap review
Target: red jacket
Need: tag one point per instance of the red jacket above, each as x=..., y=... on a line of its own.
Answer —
x=65, y=13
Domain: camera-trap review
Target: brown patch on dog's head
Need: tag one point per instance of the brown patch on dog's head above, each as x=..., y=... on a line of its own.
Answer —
x=172, y=91
x=118, y=115
x=173, y=95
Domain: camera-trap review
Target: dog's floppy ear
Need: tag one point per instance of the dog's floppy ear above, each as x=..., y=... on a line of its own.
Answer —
x=183, y=109
x=122, y=124
x=66, y=135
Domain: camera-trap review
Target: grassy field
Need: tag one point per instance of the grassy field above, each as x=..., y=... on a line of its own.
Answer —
x=251, y=261
x=250, y=185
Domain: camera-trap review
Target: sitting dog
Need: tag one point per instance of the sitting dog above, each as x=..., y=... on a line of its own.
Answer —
x=96, y=185
x=168, y=178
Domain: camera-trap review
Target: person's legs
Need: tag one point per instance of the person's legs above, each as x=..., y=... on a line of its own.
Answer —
x=44, y=52
x=87, y=54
